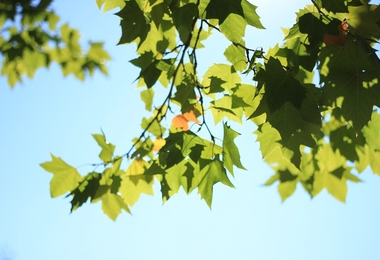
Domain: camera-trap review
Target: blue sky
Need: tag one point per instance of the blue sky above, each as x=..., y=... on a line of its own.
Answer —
x=54, y=114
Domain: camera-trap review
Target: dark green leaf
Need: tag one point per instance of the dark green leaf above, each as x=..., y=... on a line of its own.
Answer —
x=280, y=86
x=133, y=23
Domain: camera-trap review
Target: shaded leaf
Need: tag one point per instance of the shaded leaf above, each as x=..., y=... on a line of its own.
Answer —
x=280, y=86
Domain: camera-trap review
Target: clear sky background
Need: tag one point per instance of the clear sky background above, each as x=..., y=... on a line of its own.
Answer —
x=54, y=114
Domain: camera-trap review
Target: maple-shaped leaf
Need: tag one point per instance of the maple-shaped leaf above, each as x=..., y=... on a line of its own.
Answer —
x=135, y=182
x=174, y=178
x=221, y=9
x=350, y=75
x=149, y=71
x=364, y=20
x=147, y=97
x=333, y=6
x=268, y=137
x=337, y=187
x=231, y=155
x=107, y=148
x=220, y=77
x=228, y=106
x=287, y=120
x=368, y=156
x=65, y=179
x=107, y=5
x=297, y=52
x=280, y=86
x=112, y=203
x=183, y=20
x=86, y=189
x=345, y=139
x=313, y=27
x=236, y=55
x=185, y=95
x=211, y=174
x=371, y=132
x=286, y=189
x=171, y=153
x=133, y=23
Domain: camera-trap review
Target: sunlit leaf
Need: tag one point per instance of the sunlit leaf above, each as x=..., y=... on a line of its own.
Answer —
x=107, y=148
x=65, y=179
x=213, y=173
x=231, y=155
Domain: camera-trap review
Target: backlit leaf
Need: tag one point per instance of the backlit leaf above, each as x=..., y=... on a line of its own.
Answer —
x=213, y=173
x=65, y=179
x=107, y=148
x=231, y=155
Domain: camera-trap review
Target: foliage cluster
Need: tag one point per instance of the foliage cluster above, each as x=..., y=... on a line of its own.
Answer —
x=30, y=39
x=319, y=135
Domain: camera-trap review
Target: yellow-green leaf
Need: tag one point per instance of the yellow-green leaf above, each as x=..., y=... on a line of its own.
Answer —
x=65, y=179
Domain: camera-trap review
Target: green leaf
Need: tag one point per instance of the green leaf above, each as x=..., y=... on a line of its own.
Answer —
x=371, y=132
x=222, y=74
x=175, y=179
x=314, y=28
x=351, y=81
x=215, y=85
x=65, y=178
x=286, y=189
x=221, y=9
x=133, y=23
x=110, y=4
x=135, y=182
x=364, y=20
x=236, y=55
x=112, y=204
x=287, y=120
x=107, y=148
x=212, y=173
x=222, y=108
x=183, y=20
x=149, y=72
x=171, y=153
x=86, y=189
x=189, y=175
x=280, y=86
x=334, y=6
x=286, y=175
x=344, y=139
x=272, y=180
x=268, y=137
x=337, y=187
x=231, y=155
x=185, y=95
x=234, y=28
x=147, y=98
